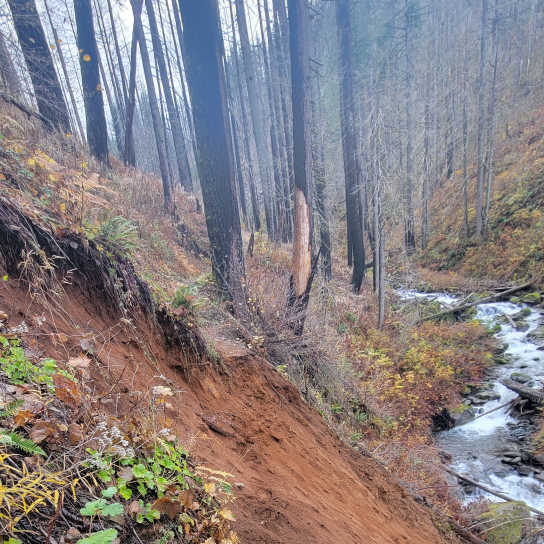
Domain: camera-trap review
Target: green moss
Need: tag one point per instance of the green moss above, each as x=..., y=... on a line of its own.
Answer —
x=506, y=522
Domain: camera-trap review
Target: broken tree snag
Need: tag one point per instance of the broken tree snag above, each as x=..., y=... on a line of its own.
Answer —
x=485, y=300
x=302, y=247
x=525, y=392
x=302, y=266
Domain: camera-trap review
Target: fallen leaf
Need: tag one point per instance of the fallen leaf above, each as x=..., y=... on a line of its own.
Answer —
x=186, y=498
x=75, y=433
x=161, y=390
x=227, y=514
x=22, y=417
x=134, y=508
x=41, y=431
x=126, y=473
x=210, y=488
x=79, y=362
x=86, y=58
x=67, y=391
x=167, y=506
x=62, y=338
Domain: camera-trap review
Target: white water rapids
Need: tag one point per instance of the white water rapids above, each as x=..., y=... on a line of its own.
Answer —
x=478, y=447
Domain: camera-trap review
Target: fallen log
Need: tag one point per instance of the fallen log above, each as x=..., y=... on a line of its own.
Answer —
x=510, y=320
x=495, y=409
x=464, y=307
x=485, y=488
x=28, y=111
x=534, y=395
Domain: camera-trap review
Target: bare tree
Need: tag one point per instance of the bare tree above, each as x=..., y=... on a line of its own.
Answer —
x=37, y=54
x=97, y=128
x=208, y=90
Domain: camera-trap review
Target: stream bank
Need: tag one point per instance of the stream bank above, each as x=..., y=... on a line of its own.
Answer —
x=495, y=449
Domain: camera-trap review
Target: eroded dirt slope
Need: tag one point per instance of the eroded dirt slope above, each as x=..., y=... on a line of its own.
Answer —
x=300, y=483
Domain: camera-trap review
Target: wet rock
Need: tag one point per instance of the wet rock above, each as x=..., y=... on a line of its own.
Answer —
x=519, y=377
x=515, y=461
x=506, y=522
x=512, y=454
x=462, y=415
x=537, y=336
x=524, y=312
x=539, y=477
x=515, y=300
x=538, y=458
x=531, y=298
x=502, y=361
x=524, y=470
x=523, y=326
x=487, y=395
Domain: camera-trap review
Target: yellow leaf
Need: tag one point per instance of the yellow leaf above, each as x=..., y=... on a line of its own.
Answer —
x=59, y=40
x=86, y=58
x=52, y=177
x=227, y=514
x=2, y=176
x=68, y=135
x=63, y=207
x=209, y=488
x=99, y=87
x=52, y=47
x=81, y=50
x=32, y=162
x=56, y=498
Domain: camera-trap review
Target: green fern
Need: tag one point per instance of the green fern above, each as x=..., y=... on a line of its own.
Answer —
x=12, y=408
x=15, y=440
x=118, y=234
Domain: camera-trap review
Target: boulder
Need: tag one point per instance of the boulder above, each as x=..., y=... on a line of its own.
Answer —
x=537, y=336
x=506, y=522
x=531, y=299
x=520, y=377
x=524, y=312
x=501, y=360
x=462, y=415
x=515, y=300
x=487, y=396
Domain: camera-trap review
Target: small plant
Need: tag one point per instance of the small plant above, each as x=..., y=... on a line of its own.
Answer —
x=186, y=296
x=116, y=233
x=102, y=537
x=20, y=370
x=15, y=440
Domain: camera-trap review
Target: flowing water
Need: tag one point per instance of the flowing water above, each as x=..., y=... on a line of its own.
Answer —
x=477, y=447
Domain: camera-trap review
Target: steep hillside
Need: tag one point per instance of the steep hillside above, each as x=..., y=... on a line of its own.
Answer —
x=512, y=246
x=300, y=483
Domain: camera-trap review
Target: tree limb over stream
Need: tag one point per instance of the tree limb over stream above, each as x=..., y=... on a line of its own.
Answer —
x=463, y=307
x=534, y=395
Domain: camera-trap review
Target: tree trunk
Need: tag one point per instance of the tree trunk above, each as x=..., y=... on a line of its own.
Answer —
x=255, y=109
x=465, y=134
x=481, y=123
x=118, y=53
x=155, y=114
x=97, y=128
x=276, y=163
x=39, y=62
x=492, y=116
x=349, y=144
x=58, y=47
x=245, y=127
x=409, y=223
x=173, y=114
x=10, y=82
x=238, y=161
x=301, y=278
x=186, y=105
x=130, y=154
x=208, y=91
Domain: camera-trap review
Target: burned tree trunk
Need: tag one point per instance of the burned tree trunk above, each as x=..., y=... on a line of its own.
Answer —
x=97, y=128
x=208, y=91
x=47, y=89
x=301, y=279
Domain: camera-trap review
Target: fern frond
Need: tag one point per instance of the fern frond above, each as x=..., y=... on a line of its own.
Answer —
x=11, y=438
x=11, y=408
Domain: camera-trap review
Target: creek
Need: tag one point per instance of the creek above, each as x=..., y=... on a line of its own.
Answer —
x=484, y=448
